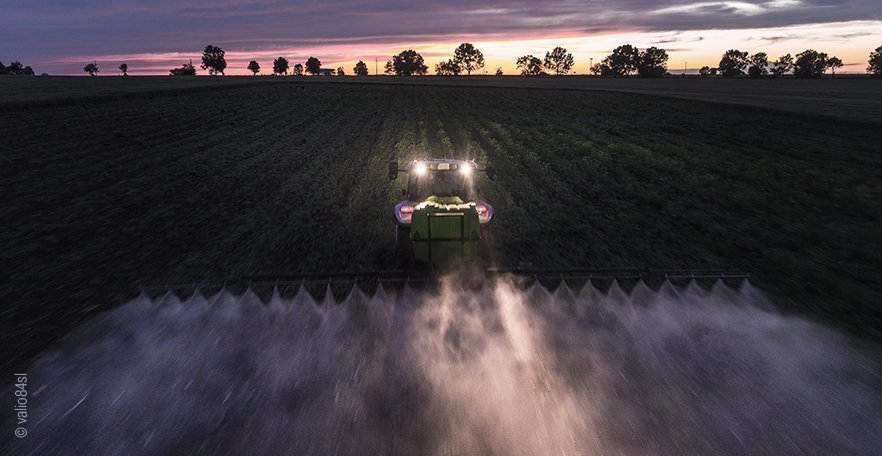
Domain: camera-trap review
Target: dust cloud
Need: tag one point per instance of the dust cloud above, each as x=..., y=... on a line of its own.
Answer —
x=499, y=370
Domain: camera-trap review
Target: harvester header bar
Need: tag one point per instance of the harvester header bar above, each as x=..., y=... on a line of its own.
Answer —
x=622, y=273
x=420, y=277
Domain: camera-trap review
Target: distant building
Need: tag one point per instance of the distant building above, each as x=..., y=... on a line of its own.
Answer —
x=326, y=72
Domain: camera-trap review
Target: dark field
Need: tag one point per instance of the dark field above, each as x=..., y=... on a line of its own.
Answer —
x=852, y=97
x=104, y=194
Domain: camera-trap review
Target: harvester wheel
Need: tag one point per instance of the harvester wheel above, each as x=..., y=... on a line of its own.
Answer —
x=403, y=247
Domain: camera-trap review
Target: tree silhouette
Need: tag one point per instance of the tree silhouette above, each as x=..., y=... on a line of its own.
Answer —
x=313, y=65
x=704, y=71
x=448, y=68
x=213, y=60
x=253, y=67
x=124, y=68
x=498, y=71
x=602, y=69
x=529, y=65
x=298, y=70
x=622, y=61
x=280, y=66
x=91, y=68
x=559, y=61
x=733, y=63
x=833, y=63
x=759, y=65
x=340, y=71
x=874, y=63
x=388, y=68
x=468, y=58
x=652, y=63
x=360, y=69
x=782, y=65
x=14, y=68
x=186, y=69
x=810, y=64
x=407, y=63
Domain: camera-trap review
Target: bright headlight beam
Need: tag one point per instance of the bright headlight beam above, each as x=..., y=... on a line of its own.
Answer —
x=420, y=169
x=466, y=169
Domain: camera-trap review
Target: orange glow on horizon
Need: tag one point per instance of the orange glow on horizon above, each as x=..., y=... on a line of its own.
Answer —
x=850, y=41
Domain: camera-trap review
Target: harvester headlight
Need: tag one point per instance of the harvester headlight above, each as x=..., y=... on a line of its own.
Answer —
x=484, y=210
x=420, y=169
x=466, y=169
x=404, y=212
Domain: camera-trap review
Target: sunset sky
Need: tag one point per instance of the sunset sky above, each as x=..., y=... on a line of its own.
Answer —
x=152, y=36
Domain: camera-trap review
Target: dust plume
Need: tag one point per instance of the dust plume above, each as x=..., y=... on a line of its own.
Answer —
x=499, y=370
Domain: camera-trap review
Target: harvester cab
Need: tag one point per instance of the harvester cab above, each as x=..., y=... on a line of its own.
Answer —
x=441, y=220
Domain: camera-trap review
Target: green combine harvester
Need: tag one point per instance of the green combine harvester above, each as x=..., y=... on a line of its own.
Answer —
x=441, y=221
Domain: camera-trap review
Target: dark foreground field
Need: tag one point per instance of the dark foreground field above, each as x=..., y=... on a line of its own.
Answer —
x=851, y=97
x=103, y=195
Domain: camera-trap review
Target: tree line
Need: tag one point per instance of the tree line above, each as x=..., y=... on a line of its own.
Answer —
x=214, y=61
x=807, y=64
x=16, y=68
x=625, y=60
